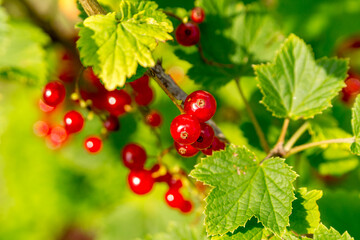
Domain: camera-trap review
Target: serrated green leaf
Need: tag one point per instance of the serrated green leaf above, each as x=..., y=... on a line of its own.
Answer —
x=244, y=188
x=305, y=216
x=116, y=43
x=252, y=231
x=22, y=54
x=323, y=233
x=355, y=123
x=295, y=85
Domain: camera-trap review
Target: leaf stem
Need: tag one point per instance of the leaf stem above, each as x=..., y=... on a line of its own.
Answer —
x=284, y=128
x=296, y=136
x=210, y=62
x=253, y=119
x=173, y=15
x=314, y=144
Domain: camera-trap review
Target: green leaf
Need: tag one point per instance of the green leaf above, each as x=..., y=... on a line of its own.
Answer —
x=252, y=231
x=323, y=233
x=295, y=85
x=22, y=54
x=355, y=123
x=116, y=43
x=243, y=187
x=305, y=216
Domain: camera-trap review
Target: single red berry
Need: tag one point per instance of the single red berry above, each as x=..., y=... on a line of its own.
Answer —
x=186, y=206
x=206, y=137
x=155, y=168
x=112, y=123
x=173, y=198
x=74, y=122
x=201, y=105
x=352, y=86
x=58, y=134
x=54, y=93
x=215, y=146
x=93, y=144
x=144, y=97
x=67, y=75
x=185, y=150
x=187, y=34
x=41, y=128
x=117, y=102
x=140, y=181
x=133, y=156
x=44, y=107
x=197, y=15
x=175, y=183
x=153, y=119
x=140, y=83
x=185, y=129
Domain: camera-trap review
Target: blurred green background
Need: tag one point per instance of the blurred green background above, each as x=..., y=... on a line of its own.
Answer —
x=68, y=194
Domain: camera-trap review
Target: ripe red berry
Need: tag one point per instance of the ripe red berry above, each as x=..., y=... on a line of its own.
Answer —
x=73, y=121
x=144, y=97
x=140, y=83
x=133, y=156
x=54, y=93
x=197, y=15
x=206, y=137
x=93, y=144
x=153, y=119
x=173, y=198
x=44, y=107
x=140, y=181
x=185, y=129
x=215, y=146
x=186, y=206
x=175, y=183
x=112, y=123
x=41, y=128
x=117, y=101
x=185, y=150
x=187, y=34
x=201, y=105
x=58, y=134
x=352, y=86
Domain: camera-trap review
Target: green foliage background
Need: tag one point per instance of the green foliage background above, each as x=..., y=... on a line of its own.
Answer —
x=42, y=192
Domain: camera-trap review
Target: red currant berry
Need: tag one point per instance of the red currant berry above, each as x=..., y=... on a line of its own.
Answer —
x=185, y=150
x=93, y=144
x=352, y=86
x=74, y=122
x=153, y=119
x=185, y=129
x=197, y=15
x=54, y=93
x=133, y=156
x=187, y=34
x=44, y=107
x=117, y=101
x=173, y=198
x=41, y=128
x=140, y=83
x=141, y=181
x=201, y=105
x=112, y=123
x=58, y=134
x=215, y=146
x=206, y=137
x=175, y=183
x=144, y=97
x=186, y=206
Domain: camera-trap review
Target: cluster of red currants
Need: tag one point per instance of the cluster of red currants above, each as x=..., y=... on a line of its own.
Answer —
x=141, y=181
x=189, y=130
x=188, y=34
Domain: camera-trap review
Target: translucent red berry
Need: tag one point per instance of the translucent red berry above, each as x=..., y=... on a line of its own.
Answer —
x=206, y=137
x=185, y=150
x=140, y=181
x=197, y=15
x=41, y=128
x=185, y=129
x=73, y=121
x=144, y=97
x=352, y=86
x=140, y=83
x=54, y=93
x=186, y=206
x=44, y=107
x=187, y=34
x=201, y=105
x=93, y=144
x=173, y=198
x=215, y=146
x=153, y=119
x=58, y=134
x=117, y=101
x=133, y=156
x=112, y=123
